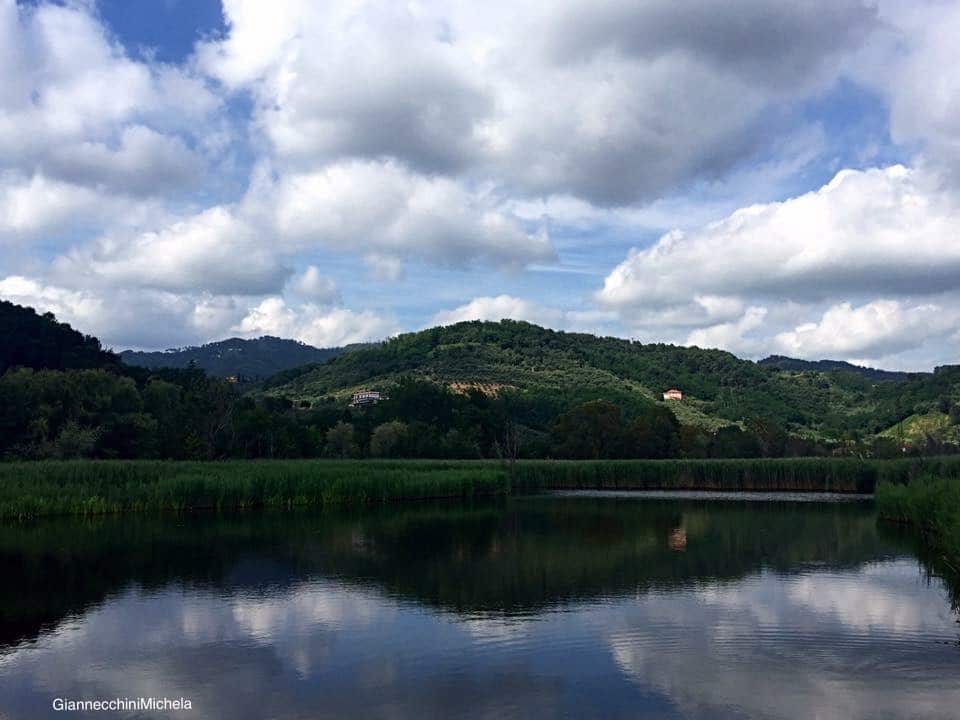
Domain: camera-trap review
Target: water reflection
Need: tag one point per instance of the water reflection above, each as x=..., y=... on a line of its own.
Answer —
x=534, y=607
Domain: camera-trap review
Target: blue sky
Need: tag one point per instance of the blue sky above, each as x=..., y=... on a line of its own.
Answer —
x=761, y=178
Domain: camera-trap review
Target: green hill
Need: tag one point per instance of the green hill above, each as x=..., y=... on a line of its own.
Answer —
x=779, y=362
x=918, y=428
x=35, y=340
x=471, y=390
x=549, y=371
x=252, y=359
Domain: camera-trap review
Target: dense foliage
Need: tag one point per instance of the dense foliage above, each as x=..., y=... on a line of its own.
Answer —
x=503, y=390
x=39, y=341
x=544, y=373
x=245, y=359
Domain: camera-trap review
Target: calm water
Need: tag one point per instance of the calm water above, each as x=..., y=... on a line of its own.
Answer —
x=534, y=607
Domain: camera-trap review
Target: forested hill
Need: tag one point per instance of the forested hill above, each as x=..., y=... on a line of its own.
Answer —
x=252, y=359
x=779, y=362
x=546, y=371
x=475, y=389
x=30, y=339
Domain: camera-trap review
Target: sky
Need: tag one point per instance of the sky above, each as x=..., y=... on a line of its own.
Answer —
x=766, y=178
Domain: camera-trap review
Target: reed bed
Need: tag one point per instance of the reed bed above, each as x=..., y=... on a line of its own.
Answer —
x=846, y=475
x=930, y=505
x=98, y=487
x=86, y=487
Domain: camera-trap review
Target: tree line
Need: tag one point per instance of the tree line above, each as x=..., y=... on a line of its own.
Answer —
x=63, y=396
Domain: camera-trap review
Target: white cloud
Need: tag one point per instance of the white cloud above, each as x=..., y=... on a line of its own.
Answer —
x=785, y=277
x=882, y=230
x=730, y=335
x=906, y=65
x=607, y=101
x=453, y=135
x=313, y=286
x=213, y=251
x=383, y=209
x=129, y=318
x=143, y=162
x=507, y=307
x=876, y=329
x=74, y=107
x=31, y=207
x=500, y=308
x=315, y=325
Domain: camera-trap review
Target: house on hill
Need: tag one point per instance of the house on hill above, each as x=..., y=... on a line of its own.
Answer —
x=366, y=397
x=673, y=394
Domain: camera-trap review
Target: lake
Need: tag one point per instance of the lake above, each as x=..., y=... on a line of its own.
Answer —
x=582, y=605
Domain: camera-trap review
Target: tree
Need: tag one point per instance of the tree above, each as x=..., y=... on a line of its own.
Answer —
x=75, y=441
x=590, y=431
x=387, y=439
x=772, y=436
x=732, y=442
x=694, y=442
x=340, y=442
x=654, y=433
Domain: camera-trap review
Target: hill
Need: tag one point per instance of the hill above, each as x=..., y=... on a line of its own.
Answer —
x=546, y=372
x=251, y=359
x=780, y=362
x=35, y=340
x=475, y=389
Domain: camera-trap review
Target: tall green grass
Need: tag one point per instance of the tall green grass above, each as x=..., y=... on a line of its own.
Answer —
x=87, y=487
x=931, y=505
x=97, y=487
x=846, y=475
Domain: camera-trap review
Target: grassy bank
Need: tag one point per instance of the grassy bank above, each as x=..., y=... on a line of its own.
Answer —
x=845, y=475
x=931, y=505
x=97, y=487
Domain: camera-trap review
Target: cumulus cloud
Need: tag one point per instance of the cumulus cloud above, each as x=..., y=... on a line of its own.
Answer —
x=351, y=80
x=876, y=329
x=315, y=325
x=508, y=307
x=906, y=66
x=771, y=45
x=452, y=136
x=213, y=251
x=500, y=308
x=882, y=230
x=867, y=238
x=313, y=286
x=611, y=101
x=731, y=334
x=74, y=107
x=124, y=318
x=384, y=209
x=39, y=206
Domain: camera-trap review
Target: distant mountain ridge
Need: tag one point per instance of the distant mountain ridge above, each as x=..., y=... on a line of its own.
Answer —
x=252, y=359
x=781, y=362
